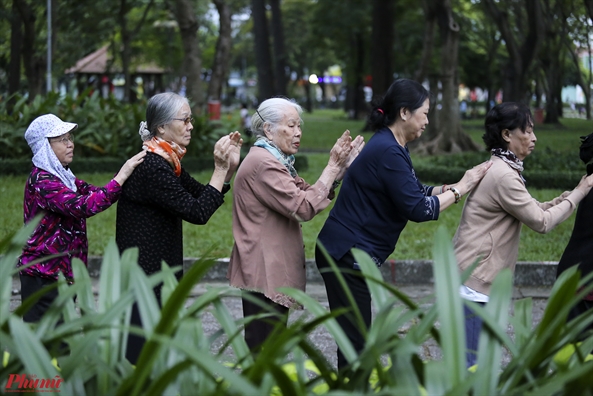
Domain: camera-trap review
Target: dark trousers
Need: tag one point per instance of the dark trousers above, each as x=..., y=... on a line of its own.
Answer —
x=135, y=342
x=473, y=326
x=337, y=299
x=31, y=285
x=582, y=307
x=258, y=330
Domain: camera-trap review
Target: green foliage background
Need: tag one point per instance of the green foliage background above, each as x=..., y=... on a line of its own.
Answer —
x=321, y=129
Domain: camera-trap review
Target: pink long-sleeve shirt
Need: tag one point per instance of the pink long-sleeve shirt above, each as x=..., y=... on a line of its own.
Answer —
x=62, y=230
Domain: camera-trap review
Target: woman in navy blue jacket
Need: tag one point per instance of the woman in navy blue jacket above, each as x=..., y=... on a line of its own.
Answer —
x=380, y=194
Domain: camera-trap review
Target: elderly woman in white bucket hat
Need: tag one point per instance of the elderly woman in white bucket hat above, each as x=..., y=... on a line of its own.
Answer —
x=65, y=202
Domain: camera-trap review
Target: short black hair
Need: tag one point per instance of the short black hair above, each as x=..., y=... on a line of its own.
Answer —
x=507, y=115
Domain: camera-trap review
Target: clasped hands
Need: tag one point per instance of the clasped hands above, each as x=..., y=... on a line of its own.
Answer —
x=345, y=152
x=227, y=151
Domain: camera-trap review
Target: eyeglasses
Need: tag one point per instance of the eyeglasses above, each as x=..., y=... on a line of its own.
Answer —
x=186, y=120
x=64, y=140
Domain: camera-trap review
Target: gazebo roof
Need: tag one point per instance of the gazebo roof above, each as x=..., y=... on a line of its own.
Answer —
x=97, y=62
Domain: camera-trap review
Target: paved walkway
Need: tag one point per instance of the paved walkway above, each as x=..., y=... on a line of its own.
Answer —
x=320, y=337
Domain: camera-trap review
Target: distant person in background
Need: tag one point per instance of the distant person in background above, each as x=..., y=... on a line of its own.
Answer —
x=270, y=202
x=245, y=119
x=494, y=212
x=65, y=202
x=579, y=250
x=162, y=194
x=463, y=109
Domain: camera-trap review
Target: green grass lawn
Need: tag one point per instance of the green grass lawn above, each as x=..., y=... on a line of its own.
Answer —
x=320, y=131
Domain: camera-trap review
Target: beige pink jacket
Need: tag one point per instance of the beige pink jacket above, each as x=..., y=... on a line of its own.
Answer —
x=268, y=206
x=490, y=225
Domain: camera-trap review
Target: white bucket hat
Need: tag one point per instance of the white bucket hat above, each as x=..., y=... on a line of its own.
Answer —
x=42, y=128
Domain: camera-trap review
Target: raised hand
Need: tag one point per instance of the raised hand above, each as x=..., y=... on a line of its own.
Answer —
x=338, y=156
x=235, y=150
x=222, y=153
x=357, y=145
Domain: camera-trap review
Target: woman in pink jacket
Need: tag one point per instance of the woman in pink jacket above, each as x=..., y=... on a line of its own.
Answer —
x=495, y=210
x=270, y=200
x=65, y=203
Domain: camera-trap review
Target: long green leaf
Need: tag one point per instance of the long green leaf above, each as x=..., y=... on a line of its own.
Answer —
x=448, y=301
x=31, y=351
x=489, y=348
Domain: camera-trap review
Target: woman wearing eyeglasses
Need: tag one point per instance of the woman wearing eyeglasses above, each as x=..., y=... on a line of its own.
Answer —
x=160, y=194
x=66, y=202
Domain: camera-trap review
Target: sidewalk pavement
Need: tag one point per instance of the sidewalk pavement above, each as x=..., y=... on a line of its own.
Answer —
x=421, y=293
x=400, y=272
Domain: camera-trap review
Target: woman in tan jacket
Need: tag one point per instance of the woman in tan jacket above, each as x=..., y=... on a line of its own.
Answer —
x=494, y=211
x=270, y=202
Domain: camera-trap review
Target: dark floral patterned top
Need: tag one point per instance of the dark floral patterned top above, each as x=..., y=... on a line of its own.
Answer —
x=62, y=229
x=150, y=211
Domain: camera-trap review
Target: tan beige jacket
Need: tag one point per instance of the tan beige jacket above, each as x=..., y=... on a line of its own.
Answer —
x=268, y=206
x=490, y=224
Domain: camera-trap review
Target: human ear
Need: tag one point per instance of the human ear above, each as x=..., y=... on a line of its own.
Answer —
x=506, y=135
x=403, y=113
x=268, y=130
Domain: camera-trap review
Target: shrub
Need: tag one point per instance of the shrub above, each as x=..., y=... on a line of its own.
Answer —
x=545, y=168
x=177, y=358
x=106, y=126
x=112, y=165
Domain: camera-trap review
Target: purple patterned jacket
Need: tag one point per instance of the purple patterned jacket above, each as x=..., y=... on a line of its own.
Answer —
x=63, y=228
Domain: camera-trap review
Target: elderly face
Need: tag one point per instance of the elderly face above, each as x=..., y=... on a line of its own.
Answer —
x=179, y=130
x=287, y=134
x=63, y=147
x=416, y=122
x=519, y=142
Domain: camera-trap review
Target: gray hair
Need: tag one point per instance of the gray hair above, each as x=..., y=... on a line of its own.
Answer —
x=160, y=110
x=271, y=112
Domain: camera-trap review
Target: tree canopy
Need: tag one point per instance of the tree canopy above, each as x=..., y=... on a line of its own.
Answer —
x=525, y=49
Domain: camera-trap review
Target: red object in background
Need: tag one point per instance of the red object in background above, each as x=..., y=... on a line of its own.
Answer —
x=538, y=116
x=214, y=110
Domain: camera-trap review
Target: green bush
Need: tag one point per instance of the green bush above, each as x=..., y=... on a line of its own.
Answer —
x=177, y=358
x=112, y=165
x=106, y=127
x=543, y=169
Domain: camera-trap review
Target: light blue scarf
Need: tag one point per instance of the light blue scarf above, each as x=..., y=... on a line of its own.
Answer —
x=286, y=160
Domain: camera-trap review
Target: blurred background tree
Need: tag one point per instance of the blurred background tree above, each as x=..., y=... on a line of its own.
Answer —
x=322, y=53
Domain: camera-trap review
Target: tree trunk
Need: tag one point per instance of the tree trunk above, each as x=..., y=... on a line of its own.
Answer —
x=589, y=7
x=355, y=104
x=427, y=42
x=584, y=84
x=16, y=41
x=382, y=38
x=223, y=50
x=126, y=48
x=450, y=138
x=127, y=36
x=34, y=65
x=279, y=48
x=521, y=56
x=192, y=61
x=263, y=59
